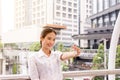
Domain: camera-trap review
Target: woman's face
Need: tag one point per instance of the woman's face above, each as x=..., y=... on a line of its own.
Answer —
x=48, y=41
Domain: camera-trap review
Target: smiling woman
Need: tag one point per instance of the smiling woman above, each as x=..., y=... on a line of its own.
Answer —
x=46, y=63
x=7, y=14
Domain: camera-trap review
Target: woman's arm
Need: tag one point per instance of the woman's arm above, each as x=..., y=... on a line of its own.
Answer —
x=67, y=55
x=32, y=68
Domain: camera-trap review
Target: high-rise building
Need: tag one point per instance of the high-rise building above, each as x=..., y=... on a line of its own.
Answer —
x=85, y=12
x=42, y=12
x=0, y=20
x=0, y=42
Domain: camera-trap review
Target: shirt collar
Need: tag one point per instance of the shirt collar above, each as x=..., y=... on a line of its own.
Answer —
x=42, y=54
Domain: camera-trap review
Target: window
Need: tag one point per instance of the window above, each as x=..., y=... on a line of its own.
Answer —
x=94, y=23
x=58, y=7
x=64, y=14
x=75, y=16
x=58, y=1
x=64, y=2
x=64, y=8
x=100, y=6
x=69, y=10
x=58, y=14
x=112, y=2
x=75, y=10
x=69, y=4
x=69, y=15
x=112, y=19
x=106, y=4
x=118, y=1
x=75, y=5
x=94, y=6
x=100, y=22
x=106, y=20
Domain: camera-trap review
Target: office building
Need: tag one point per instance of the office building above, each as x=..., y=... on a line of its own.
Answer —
x=42, y=12
x=85, y=12
x=0, y=20
x=104, y=16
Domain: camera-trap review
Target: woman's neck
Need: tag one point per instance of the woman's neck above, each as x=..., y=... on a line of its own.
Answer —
x=46, y=51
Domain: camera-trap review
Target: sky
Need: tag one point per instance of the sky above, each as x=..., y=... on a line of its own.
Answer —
x=7, y=14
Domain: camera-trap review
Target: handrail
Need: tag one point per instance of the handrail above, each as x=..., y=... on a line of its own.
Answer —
x=90, y=73
x=92, y=51
x=70, y=74
x=15, y=76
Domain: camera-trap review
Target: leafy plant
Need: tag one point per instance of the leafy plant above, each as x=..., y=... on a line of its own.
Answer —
x=35, y=46
x=64, y=66
x=11, y=45
x=14, y=68
x=1, y=45
x=99, y=58
x=60, y=47
x=118, y=57
x=99, y=78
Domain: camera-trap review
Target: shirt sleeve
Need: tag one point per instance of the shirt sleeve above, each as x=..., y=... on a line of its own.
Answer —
x=59, y=55
x=32, y=68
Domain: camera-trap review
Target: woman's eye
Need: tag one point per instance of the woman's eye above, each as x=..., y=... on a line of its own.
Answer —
x=49, y=38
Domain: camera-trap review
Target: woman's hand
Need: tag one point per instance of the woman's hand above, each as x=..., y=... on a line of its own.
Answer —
x=77, y=49
x=68, y=55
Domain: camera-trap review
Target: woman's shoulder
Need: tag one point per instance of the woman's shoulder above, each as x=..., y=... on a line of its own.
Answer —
x=32, y=54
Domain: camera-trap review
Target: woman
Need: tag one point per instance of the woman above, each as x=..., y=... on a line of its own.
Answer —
x=46, y=64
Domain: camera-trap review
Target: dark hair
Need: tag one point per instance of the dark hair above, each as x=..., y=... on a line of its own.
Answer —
x=46, y=31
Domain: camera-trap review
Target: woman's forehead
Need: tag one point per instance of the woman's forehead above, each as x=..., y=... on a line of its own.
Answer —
x=51, y=34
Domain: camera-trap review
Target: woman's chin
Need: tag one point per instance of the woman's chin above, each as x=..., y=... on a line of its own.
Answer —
x=50, y=48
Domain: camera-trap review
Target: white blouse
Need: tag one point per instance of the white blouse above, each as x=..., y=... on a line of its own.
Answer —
x=42, y=67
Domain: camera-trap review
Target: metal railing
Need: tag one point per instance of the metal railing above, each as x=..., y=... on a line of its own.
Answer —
x=89, y=51
x=92, y=51
x=68, y=74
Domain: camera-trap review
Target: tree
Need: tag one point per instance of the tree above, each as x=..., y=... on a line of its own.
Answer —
x=98, y=61
x=35, y=46
x=118, y=57
x=14, y=68
x=11, y=45
x=60, y=47
x=99, y=58
x=1, y=45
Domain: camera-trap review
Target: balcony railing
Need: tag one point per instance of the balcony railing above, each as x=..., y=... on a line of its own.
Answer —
x=69, y=74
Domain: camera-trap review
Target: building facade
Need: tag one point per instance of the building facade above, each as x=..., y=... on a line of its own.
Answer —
x=85, y=12
x=0, y=20
x=42, y=12
x=105, y=13
x=104, y=16
x=103, y=19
